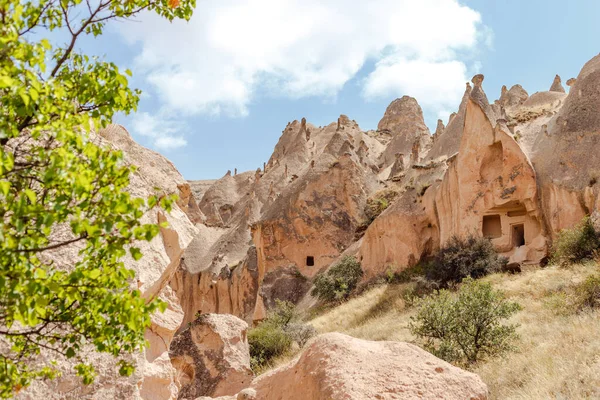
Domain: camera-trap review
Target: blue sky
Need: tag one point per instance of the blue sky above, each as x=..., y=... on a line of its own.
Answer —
x=219, y=90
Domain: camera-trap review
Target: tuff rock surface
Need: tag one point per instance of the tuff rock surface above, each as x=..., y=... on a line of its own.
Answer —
x=155, y=376
x=334, y=366
x=516, y=170
x=212, y=357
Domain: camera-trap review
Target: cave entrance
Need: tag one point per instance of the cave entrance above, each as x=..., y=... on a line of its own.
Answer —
x=310, y=261
x=492, y=227
x=518, y=235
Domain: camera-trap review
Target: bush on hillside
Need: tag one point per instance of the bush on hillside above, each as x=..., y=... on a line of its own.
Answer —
x=375, y=205
x=577, y=244
x=339, y=281
x=587, y=293
x=465, y=327
x=267, y=341
x=461, y=258
x=300, y=333
x=275, y=336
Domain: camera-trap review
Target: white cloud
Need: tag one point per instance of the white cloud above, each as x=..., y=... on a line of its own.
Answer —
x=433, y=84
x=160, y=130
x=231, y=49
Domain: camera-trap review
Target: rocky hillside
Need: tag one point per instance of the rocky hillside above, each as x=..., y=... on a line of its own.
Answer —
x=517, y=170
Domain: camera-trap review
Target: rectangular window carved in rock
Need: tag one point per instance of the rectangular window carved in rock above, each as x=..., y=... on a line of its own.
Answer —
x=492, y=227
x=310, y=261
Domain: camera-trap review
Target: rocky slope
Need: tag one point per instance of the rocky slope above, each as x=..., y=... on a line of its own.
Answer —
x=517, y=170
x=336, y=366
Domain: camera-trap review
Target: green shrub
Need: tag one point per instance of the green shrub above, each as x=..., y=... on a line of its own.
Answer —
x=267, y=341
x=275, y=336
x=579, y=243
x=283, y=313
x=421, y=287
x=465, y=327
x=461, y=258
x=378, y=203
x=407, y=274
x=300, y=333
x=339, y=281
x=587, y=293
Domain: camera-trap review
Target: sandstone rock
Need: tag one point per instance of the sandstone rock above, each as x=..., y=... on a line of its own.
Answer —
x=565, y=164
x=219, y=273
x=438, y=129
x=403, y=119
x=335, y=366
x=488, y=188
x=154, y=377
x=513, y=97
x=447, y=143
x=212, y=357
x=557, y=85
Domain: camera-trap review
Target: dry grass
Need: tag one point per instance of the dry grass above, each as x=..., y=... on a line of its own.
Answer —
x=558, y=354
x=378, y=314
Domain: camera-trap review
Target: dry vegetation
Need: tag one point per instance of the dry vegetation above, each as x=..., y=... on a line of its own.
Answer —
x=558, y=354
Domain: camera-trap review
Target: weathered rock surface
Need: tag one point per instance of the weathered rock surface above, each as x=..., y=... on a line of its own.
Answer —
x=491, y=170
x=566, y=156
x=155, y=376
x=557, y=85
x=335, y=366
x=283, y=224
x=212, y=357
x=403, y=120
x=517, y=170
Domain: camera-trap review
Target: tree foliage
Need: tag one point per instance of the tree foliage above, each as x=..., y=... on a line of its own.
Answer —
x=577, y=244
x=63, y=193
x=460, y=258
x=339, y=281
x=275, y=336
x=467, y=327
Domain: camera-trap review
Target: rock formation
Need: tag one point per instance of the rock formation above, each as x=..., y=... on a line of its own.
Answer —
x=335, y=366
x=155, y=376
x=403, y=120
x=516, y=170
x=557, y=85
x=212, y=357
x=488, y=171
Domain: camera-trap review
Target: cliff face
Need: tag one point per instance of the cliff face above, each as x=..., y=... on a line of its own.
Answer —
x=517, y=170
x=155, y=377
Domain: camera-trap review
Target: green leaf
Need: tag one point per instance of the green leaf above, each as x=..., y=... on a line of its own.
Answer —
x=135, y=253
x=6, y=81
x=30, y=195
x=4, y=187
x=70, y=353
x=40, y=273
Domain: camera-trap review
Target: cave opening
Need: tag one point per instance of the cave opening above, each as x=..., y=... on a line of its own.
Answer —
x=310, y=261
x=518, y=235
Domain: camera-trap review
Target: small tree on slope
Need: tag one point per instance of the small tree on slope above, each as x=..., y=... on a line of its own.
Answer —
x=467, y=327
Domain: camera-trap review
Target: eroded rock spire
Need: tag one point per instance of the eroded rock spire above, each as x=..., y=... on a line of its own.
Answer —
x=557, y=85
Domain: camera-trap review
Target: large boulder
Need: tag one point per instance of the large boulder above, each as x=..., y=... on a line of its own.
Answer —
x=212, y=357
x=336, y=366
